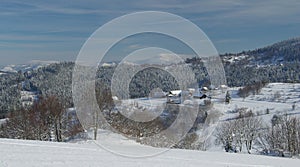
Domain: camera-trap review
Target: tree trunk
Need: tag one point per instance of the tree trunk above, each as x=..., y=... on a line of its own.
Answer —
x=96, y=126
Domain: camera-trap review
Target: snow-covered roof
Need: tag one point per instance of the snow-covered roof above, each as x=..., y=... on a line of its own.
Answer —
x=175, y=92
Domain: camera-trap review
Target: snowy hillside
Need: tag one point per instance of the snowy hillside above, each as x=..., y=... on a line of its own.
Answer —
x=275, y=98
x=16, y=153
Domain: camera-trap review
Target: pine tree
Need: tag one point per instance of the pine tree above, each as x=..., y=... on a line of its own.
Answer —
x=227, y=97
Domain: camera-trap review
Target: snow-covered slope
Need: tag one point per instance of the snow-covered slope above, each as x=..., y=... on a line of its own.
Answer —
x=275, y=98
x=35, y=153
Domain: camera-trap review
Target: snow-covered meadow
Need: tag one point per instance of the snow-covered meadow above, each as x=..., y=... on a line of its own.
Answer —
x=17, y=153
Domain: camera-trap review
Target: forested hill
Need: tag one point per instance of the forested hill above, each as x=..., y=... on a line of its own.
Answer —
x=283, y=52
x=279, y=62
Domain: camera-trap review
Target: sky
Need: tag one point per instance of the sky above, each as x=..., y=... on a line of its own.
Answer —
x=57, y=29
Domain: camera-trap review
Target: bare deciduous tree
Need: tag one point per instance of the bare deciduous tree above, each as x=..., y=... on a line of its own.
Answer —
x=45, y=120
x=283, y=136
x=238, y=132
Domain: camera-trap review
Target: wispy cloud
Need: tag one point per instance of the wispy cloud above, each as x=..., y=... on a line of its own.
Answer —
x=213, y=11
x=275, y=11
x=233, y=24
x=37, y=38
x=59, y=7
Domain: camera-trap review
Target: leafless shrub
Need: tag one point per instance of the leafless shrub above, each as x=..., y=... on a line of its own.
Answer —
x=253, y=89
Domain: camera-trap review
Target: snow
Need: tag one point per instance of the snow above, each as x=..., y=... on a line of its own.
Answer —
x=278, y=98
x=2, y=121
x=113, y=149
x=34, y=64
x=175, y=92
x=275, y=98
x=235, y=58
x=88, y=153
x=263, y=105
x=108, y=64
x=42, y=62
x=9, y=69
x=28, y=97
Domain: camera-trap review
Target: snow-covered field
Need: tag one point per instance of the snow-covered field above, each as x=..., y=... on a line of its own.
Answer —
x=275, y=98
x=22, y=153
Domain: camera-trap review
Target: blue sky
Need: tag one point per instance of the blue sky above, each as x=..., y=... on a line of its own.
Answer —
x=56, y=30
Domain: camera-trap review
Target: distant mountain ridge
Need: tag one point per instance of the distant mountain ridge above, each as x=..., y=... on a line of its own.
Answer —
x=31, y=65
